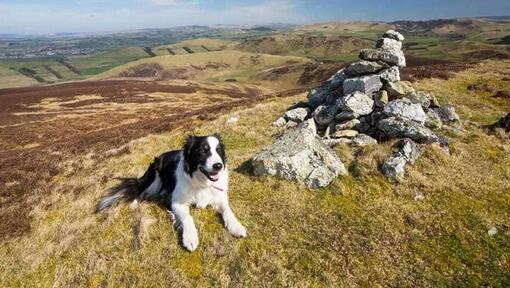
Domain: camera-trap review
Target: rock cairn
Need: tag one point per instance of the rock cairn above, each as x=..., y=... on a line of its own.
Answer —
x=362, y=104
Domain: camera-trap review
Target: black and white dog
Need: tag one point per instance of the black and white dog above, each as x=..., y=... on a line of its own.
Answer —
x=197, y=175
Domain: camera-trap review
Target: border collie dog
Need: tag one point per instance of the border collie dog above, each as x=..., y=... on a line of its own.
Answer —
x=197, y=175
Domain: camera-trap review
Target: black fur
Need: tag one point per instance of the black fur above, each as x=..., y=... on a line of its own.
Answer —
x=195, y=151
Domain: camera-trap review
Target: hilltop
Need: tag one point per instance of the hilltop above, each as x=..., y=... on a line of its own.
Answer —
x=107, y=114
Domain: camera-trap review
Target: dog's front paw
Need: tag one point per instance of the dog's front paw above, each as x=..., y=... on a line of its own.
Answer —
x=190, y=239
x=237, y=230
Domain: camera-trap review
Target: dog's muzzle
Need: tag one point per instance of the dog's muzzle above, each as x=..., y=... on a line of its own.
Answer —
x=211, y=175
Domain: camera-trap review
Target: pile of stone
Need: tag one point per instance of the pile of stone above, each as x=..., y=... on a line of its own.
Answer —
x=366, y=102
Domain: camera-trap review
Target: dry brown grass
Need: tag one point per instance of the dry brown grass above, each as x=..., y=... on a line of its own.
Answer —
x=360, y=231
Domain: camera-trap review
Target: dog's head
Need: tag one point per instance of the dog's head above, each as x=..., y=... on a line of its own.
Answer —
x=206, y=155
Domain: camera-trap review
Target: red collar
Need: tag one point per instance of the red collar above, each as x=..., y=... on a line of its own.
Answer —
x=218, y=188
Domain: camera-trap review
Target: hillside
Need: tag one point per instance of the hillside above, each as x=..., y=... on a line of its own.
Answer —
x=11, y=78
x=431, y=230
x=216, y=66
x=191, y=46
x=306, y=45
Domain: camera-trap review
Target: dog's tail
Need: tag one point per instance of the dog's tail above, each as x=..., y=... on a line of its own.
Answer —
x=128, y=188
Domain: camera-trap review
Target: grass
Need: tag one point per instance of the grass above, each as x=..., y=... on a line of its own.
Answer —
x=360, y=231
x=96, y=64
x=196, y=45
x=12, y=78
x=213, y=66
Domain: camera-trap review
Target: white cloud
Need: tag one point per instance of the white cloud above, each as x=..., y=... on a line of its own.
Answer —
x=34, y=18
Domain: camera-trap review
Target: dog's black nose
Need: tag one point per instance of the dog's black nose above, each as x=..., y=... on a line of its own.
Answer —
x=217, y=166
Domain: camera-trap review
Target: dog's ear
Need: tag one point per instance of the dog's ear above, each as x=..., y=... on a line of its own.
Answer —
x=218, y=136
x=222, y=148
x=190, y=141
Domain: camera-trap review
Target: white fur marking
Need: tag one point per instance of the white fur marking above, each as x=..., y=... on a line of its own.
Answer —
x=154, y=188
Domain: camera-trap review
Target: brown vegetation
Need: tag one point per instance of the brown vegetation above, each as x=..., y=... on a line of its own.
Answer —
x=41, y=127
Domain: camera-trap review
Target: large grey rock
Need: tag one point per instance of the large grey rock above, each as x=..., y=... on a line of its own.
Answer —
x=409, y=149
x=398, y=89
x=392, y=34
x=388, y=44
x=391, y=74
x=309, y=126
x=357, y=103
x=363, y=67
x=420, y=97
x=404, y=108
x=394, y=167
x=299, y=155
x=362, y=140
x=330, y=88
x=297, y=114
x=395, y=127
x=447, y=113
x=364, y=84
x=280, y=122
x=324, y=115
x=408, y=152
x=389, y=57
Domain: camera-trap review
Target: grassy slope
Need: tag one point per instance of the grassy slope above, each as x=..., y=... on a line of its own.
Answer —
x=87, y=65
x=195, y=45
x=95, y=64
x=11, y=78
x=362, y=230
x=238, y=65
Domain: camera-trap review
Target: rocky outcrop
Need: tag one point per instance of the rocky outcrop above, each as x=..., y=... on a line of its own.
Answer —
x=299, y=155
x=395, y=127
x=366, y=103
x=297, y=114
x=404, y=108
x=407, y=152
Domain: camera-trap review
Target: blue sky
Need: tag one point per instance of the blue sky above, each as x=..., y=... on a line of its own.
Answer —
x=52, y=16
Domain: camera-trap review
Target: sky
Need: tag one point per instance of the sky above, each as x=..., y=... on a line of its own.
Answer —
x=57, y=16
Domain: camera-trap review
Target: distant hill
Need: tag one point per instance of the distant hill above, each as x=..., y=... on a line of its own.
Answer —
x=462, y=26
x=305, y=44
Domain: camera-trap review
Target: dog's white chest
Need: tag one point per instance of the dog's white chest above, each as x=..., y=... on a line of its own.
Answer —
x=207, y=197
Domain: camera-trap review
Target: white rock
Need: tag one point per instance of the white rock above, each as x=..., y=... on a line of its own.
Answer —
x=297, y=114
x=388, y=44
x=392, y=34
x=298, y=155
x=280, y=122
x=391, y=74
x=357, y=103
x=405, y=109
x=364, y=84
